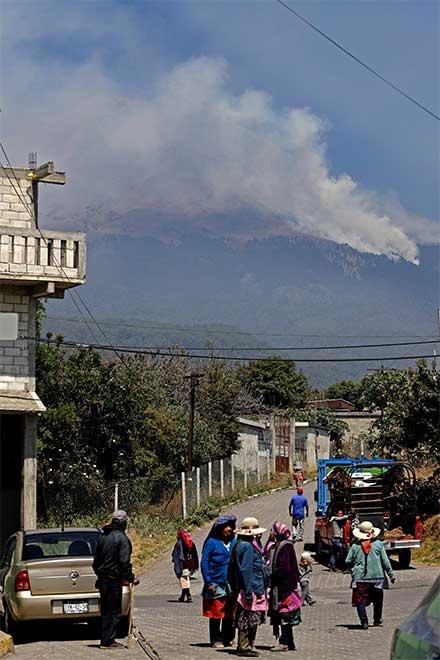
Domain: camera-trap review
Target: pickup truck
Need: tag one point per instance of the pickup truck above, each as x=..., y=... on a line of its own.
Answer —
x=383, y=491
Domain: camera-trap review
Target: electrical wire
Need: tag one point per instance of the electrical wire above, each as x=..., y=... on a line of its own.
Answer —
x=173, y=353
x=285, y=348
x=358, y=60
x=143, y=325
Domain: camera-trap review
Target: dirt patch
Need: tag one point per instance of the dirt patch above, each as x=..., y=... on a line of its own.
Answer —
x=429, y=553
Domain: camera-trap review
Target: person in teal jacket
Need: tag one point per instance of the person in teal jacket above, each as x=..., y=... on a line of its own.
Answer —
x=370, y=567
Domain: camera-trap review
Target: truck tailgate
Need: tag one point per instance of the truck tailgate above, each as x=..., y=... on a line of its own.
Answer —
x=66, y=575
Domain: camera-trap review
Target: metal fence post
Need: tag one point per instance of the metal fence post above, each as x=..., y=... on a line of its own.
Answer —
x=198, y=487
x=268, y=464
x=258, y=467
x=222, y=479
x=232, y=473
x=183, y=495
x=116, y=499
x=245, y=469
x=209, y=479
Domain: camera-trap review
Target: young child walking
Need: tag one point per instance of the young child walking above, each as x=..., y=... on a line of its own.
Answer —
x=305, y=574
x=186, y=563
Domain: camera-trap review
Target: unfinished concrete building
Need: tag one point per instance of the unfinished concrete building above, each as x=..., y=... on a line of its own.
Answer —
x=33, y=264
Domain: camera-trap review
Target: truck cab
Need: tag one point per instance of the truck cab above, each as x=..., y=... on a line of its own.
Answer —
x=382, y=491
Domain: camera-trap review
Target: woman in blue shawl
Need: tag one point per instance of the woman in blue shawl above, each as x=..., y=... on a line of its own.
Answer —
x=218, y=604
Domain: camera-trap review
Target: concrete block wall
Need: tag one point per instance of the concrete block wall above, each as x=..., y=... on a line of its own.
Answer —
x=13, y=213
x=17, y=358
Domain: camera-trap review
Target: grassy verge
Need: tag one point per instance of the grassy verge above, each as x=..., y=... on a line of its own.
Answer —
x=152, y=534
x=429, y=553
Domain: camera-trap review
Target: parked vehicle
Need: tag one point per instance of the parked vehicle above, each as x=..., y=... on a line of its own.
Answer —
x=380, y=490
x=418, y=637
x=47, y=574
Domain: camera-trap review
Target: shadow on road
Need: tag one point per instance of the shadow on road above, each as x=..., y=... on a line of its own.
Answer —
x=56, y=632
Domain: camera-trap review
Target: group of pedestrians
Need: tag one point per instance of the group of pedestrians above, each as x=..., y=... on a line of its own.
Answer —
x=246, y=583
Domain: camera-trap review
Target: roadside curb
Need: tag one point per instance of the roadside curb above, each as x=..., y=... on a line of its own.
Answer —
x=6, y=644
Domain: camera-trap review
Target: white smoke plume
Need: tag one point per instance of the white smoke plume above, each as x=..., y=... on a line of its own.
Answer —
x=191, y=150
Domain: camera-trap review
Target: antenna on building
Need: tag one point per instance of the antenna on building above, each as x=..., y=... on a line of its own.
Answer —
x=32, y=160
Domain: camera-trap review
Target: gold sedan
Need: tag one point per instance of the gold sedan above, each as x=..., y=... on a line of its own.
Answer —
x=47, y=574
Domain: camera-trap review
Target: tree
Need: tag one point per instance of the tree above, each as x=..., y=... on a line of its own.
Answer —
x=276, y=382
x=325, y=418
x=409, y=401
x=127, y=422
x=347, y=390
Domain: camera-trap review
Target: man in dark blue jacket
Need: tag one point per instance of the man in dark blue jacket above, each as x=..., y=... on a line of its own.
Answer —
x=113, y=567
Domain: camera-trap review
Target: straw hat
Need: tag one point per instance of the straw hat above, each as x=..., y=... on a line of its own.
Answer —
x=366, y=531
x=250, y=527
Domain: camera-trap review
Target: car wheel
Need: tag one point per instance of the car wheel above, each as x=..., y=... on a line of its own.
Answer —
x=8, y=624
x=404, y=558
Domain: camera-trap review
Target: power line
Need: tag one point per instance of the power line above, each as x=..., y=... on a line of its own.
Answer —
x=358, y=60
x=283, y=348
x=173, y=353
x=143, y=325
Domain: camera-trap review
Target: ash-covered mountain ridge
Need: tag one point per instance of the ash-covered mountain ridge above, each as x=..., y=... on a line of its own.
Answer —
x=286, y=292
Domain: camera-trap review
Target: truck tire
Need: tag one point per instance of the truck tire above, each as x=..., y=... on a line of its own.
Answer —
x=404, y=557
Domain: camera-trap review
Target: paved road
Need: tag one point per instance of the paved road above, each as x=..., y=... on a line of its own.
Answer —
x=178, y=631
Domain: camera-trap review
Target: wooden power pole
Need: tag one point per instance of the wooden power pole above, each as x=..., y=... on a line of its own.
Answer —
x=194, y=382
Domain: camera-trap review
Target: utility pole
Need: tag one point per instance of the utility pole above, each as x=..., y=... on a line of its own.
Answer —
x=44, y=174
x=194, y=382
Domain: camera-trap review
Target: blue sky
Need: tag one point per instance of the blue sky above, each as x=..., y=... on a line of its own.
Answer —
x=95, y=76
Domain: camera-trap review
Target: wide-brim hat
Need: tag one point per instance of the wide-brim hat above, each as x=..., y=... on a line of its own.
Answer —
x=250, y=527
x=366, y=531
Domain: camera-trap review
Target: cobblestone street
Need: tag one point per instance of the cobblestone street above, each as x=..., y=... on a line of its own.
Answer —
x=329, y=628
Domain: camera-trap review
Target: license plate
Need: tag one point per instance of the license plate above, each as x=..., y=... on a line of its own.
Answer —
x=76, y=607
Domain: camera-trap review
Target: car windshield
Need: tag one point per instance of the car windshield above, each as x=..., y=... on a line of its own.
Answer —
x=38, y=545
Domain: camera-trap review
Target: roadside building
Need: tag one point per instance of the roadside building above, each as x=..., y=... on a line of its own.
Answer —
x=283, y=441
x=359, y=422
x=33, y=264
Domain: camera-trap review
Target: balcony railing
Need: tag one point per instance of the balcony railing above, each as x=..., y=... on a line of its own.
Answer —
x=27, y=255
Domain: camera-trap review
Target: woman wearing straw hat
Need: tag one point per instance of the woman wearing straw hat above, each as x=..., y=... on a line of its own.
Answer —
x=369, y=566
x=251, y=579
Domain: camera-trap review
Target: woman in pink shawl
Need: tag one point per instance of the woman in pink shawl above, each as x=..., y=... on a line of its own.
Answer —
x=284, y=601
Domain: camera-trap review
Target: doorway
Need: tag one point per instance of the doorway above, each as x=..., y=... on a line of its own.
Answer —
x=11, y=461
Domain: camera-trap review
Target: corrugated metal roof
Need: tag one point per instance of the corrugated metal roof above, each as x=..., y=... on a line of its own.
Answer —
x=15, y=401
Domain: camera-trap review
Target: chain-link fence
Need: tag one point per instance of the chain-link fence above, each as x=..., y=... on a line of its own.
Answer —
x=84, y=501
x=221, y=477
